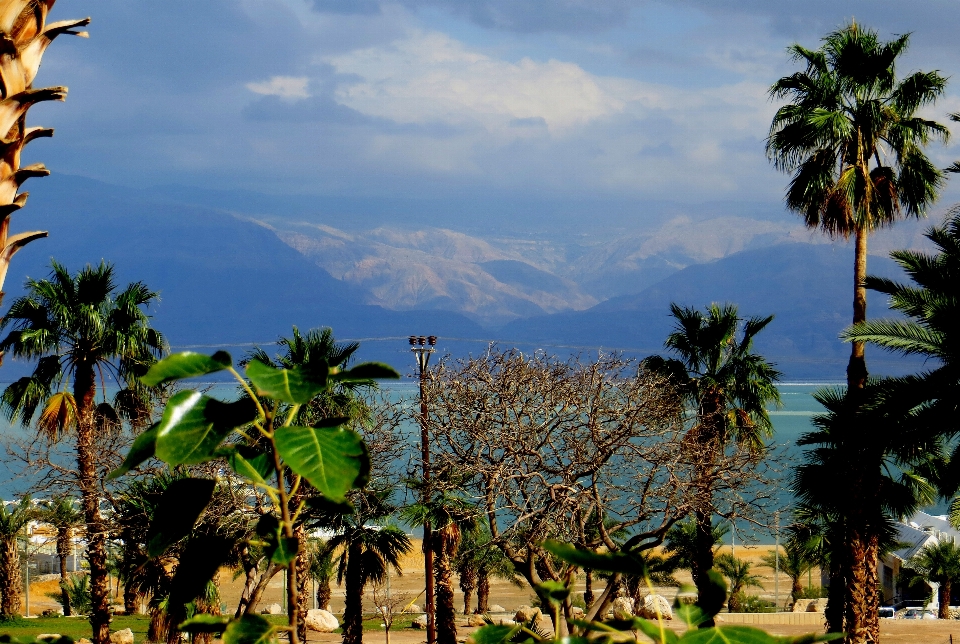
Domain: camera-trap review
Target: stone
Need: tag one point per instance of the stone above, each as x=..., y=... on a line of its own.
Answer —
x=84, y=640
x=525, y=613
x=321, y=621
x=49, y=636
x=817, y=605
x=800, y=606
x=504, y=621
x=496, y=608
x=623, y=608
x=576, y=612
x=412, y=609
x=653, y=603
x=476, y=620
x=419, y=622
x=272, y=609
x=124, y=636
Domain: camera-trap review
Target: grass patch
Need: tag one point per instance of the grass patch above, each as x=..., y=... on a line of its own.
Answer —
x=74, y=627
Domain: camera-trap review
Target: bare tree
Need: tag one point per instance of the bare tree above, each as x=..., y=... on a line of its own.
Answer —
x=388, y=604
x=576, y=451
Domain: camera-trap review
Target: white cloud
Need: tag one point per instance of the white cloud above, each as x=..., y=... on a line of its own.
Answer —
x=431, y=77
x=288, y=87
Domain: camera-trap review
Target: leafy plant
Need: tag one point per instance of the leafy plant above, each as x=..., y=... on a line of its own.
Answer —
x=711, y=599
x=258, y=439
x=77, y=589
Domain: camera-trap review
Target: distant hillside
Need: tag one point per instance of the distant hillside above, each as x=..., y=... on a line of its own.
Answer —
x=807, y=287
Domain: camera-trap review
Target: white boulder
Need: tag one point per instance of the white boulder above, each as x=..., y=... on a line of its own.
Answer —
x=419, y=622
x=654, y=603
x=124, y=636
x=525, y=613
x=623, y=607
x=321, y=621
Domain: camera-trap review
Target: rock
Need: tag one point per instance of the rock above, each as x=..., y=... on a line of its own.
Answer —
x=653, y=603
x=49, y=636
x=497, y=608
x=623, y=607
x=124, y=636
x=412, y=609
x=576, y=612
x=272, y=609
x=321, y=621
x=84, y=640
x=526, y=613
x=476, y=620
x=504, y=621
x=800, y=606
x=420, y=622
x=817, y=605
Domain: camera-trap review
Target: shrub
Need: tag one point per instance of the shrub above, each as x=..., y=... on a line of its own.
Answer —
x=813, y=592
x=78, y=589
x=753, y=604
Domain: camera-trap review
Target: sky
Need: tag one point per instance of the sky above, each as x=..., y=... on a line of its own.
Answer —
x=458, y=99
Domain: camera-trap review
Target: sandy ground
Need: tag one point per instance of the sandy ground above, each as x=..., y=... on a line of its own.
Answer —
x=410, y=584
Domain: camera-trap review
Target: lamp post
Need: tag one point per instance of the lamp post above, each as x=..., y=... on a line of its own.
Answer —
x=422, y=347
x=776, y=566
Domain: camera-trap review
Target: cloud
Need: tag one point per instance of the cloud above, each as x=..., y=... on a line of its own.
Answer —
x=286, y=87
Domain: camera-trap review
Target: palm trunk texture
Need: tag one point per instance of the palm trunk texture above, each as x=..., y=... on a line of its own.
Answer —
x=857, y=367
x=353, y=610
x=324, y=593
x=944, y=596
x=862, y=620
x=303, y=583
x=483, y=592
x=468, y=583
x=11, y=582
x=64, y=549
x=446, y=613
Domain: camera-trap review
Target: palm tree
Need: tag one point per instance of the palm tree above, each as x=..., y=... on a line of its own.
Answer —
x=62, y=514
x=476, y=562
x=795, y=562
x=939, y=563
x=853, y=141
x=681, y=540
x=856, y=487
x=737, y=572
x=322, y=571
x=727, y=387
x=366, y=548
x=450, y=516
x=78, y=327
x=12, y=522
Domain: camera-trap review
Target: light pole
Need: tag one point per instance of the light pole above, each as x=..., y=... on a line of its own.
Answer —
x=422, y=347
x=776, y=562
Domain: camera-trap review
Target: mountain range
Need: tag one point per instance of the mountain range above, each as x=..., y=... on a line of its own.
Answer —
x=242, y=272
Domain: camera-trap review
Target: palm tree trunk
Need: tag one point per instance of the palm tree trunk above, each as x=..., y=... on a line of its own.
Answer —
x=862, y=619
x=84, y=391
x=324, y=594
x=836, y=596
x=446, y=613
x=303, y=589
x=10, y=578
x=797, y=588
x=64, y=548
x=353, y=610
x=468, y=583
x=944, y=596
x=703, y=554
x=857, y=367
x=483, y=592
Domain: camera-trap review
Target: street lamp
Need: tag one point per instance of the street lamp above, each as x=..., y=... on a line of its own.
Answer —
x=422, y=347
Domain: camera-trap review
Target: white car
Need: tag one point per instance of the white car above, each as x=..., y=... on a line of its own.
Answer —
x=917, y=613
x=887, y=612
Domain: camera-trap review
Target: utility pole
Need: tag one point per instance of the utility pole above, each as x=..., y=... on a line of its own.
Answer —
x=776, y=561
x=422, y=347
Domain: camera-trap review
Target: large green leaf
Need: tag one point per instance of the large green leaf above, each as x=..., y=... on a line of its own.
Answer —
x=249, y=629
x=180, y=506
x=552, y=592
x=495, y=634
x=334, y=461
x=657, y=631
x=296, y=386
x=278, y=548
x=193, y=426
x=745, y=635
x=253, y=465
x=204, y=623
x=621, y=562
x=367, y=371
x=144, y=447
x=185, y=365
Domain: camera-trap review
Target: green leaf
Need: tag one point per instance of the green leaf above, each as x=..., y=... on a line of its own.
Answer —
x=552, y=592
x=659, y=633
x=249, y=629
x=193, y=426
x=366, y=371
x=185, y=365
x=144, y=447
x=495, y=634
x=204, y=623
x=621, y=562
x=713, y=595
x=253, y=465
x=278, y=548
x=731, y=635
x=201, y=559
x=334, y=461
x=295, y=386
x=180, y=506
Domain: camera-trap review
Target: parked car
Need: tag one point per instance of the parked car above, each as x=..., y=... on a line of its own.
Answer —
x=918, y=613
x=887, y=612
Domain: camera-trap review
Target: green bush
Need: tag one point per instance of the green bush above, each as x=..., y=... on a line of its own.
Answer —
x=813, y=592
x=753, y=604
x=78, y=589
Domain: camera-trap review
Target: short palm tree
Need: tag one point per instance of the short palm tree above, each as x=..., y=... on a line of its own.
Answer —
x=852, y=138
x=63, y=514
x=939, y=563
x=681, y=540
x=795, y=562
x=14, y=517
x=737, y=572
x=478, y=561
x=80, y=330
x=365, y=550
x=727, y=387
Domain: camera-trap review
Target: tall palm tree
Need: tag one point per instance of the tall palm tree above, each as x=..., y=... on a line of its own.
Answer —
x=62, y=513
x=449, y=516
x=80, y=330
x=939, y=563
x=13, y=520
x=794, y=561
x=737, y=572
x=880, y=478
x=366, y=549
x=727, y=387
x=853, y=141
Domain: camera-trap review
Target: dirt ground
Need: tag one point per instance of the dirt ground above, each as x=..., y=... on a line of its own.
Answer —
x=410, y=584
